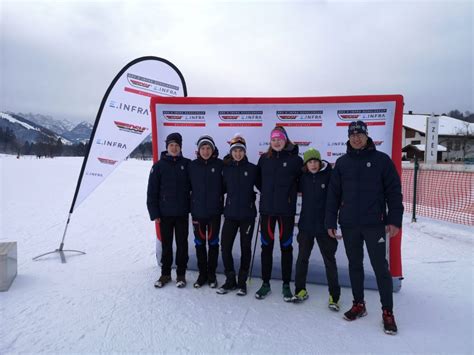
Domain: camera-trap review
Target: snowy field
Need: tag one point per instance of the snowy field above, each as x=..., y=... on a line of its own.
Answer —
x=105, y=302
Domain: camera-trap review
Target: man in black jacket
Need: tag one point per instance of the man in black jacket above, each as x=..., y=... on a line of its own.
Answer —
x=365, y=190
x=168, y=204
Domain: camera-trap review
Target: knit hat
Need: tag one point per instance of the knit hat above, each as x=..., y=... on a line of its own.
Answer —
x=280, y=133
x=174, y=138
x=238, y=142
x=311, y=154
x=358, y=127
x=206, y=140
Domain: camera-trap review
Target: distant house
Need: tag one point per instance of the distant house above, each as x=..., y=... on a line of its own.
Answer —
x=455, y=135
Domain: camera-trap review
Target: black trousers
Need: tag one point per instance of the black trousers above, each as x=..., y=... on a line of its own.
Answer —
x=374, y=238
x=229, y=232
x=267, y=235
x=206, y=232
x=180, y=227
x=327, y=247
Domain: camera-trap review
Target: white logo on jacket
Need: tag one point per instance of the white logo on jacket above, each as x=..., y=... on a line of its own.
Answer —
x=284, y=164
x=368, y=164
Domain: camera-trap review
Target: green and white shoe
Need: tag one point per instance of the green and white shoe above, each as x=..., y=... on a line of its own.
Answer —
x=301, y=296
x=264, y=291
x=333, y=306
x=287, y=294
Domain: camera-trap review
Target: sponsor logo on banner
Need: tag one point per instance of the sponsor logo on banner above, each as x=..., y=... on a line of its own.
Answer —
x=335, y=154
x=130, y=128
x=302, y=143
x=129, y=108
x=184, y=118
x=93, y=173
x=107, y=161
x=300, y=118
x=372, y=117
x=336, y=144
x=149, y=87
x=240, y=118
x=112, y=144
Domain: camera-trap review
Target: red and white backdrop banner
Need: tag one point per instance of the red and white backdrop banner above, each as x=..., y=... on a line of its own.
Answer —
x=318, y=122
x=123, y=120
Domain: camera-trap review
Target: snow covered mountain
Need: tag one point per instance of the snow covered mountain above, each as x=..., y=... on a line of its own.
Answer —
x=80, y=133
x=55, y=125
x=26, y=130
x=39, y=128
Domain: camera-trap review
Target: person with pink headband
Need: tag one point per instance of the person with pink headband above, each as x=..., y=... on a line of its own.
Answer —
x=279, y=171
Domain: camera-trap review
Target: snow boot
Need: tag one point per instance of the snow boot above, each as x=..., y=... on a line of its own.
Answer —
x=163, y=280
x=358, y=310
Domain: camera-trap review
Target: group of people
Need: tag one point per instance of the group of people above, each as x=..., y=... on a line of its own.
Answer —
x=362, y=192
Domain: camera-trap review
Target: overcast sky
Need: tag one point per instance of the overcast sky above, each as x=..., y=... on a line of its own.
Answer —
x=58, y=57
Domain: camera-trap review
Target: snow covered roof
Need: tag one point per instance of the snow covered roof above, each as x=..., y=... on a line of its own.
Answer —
x=421, y=147
x=448, y=126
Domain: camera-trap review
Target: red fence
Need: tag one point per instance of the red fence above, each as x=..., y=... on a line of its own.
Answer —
x=441, y=194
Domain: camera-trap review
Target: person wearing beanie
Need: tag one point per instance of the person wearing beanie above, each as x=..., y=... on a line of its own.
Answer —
x=239, y=179
x=205, y=175
x=365, y=192
x=279, y=171
x=168, y=205
x=313, y=186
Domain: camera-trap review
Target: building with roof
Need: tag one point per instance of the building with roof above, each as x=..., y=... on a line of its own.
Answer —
x=456, y=136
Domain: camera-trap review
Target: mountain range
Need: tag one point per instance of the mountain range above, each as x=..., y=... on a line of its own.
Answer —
x=36, y=128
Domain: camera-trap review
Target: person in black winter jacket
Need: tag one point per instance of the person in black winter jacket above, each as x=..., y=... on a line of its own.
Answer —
x=168, y=204
x=279, y=171
x=239, y=177
x=365, y=190
x=314, y=185
x=205, y=175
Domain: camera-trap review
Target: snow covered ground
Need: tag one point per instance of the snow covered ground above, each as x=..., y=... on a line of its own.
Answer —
x=105, y=301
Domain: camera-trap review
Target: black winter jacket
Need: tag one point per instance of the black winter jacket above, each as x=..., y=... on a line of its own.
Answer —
x=314, y=188
x=239, y=181
x=364, y=184
x=168, y=187
x=278, y=181
x=206, y=186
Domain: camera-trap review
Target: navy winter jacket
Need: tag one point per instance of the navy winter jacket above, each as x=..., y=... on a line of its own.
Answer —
x=314, y=188
x=278, y=181
x=239, y=181
x=364, y=184
x=168, y=187
x=206, y=186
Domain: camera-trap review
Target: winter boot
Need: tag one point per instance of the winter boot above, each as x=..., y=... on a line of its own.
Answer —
x=300, y=296
x=180, y=281
x=264, y=291
x=389, y=325
x=201, y=280
x=163, y=280
x=286, y=292
x=358, y=310
x=333, y=304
